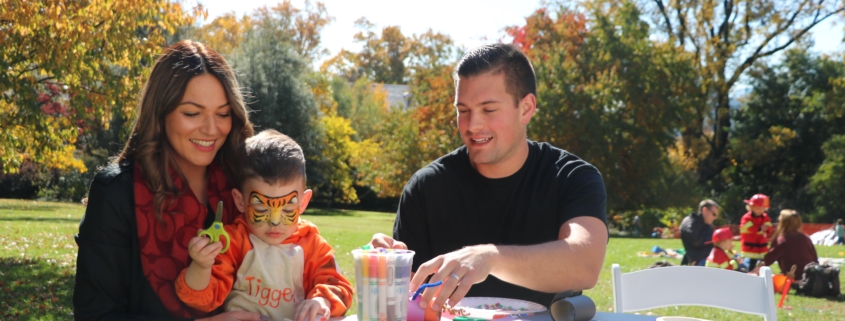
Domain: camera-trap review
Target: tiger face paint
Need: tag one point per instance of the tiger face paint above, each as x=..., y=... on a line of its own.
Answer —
x=273, y=210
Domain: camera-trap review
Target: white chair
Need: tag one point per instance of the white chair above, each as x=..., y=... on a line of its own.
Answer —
x=694, y=285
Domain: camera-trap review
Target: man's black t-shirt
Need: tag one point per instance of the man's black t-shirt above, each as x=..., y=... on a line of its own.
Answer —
x=448, y=205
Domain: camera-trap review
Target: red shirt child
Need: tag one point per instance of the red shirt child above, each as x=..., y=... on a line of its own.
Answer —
x=755, y=228
x=721, y=255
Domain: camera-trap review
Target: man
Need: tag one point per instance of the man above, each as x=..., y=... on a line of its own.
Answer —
x=697, y=233
x=501, y=216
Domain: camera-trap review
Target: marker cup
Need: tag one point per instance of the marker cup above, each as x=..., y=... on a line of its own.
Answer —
x=382, y=277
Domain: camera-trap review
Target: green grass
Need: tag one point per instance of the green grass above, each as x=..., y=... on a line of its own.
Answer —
x=37, y=262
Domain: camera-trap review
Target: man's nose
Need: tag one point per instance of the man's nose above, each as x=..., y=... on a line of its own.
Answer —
x=474, y=122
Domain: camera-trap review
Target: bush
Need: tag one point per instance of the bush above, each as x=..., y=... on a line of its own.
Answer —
x=650, y=218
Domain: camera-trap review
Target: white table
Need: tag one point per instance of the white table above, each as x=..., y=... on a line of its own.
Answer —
x=600, y=316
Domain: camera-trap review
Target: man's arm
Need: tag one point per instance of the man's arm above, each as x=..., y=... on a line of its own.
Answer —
x=573, y=262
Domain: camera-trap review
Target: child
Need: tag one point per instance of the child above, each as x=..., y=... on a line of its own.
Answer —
x=755, y=228
x=722, y=255
x=840, y=232
x=277, y=264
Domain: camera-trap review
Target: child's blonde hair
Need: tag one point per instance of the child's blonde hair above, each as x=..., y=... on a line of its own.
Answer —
x=788, y=222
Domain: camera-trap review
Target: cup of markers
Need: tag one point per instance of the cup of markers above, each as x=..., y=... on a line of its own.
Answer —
x=382, y=281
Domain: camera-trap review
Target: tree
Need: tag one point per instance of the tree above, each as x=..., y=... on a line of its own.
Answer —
x=300, y=27
x=273, y=75
x=827, y=185
x=342, y=158
x=777, y=136
x=611, y=96
x=726, y=38
x=225, y=33
x=391, y=57
x=66, y=66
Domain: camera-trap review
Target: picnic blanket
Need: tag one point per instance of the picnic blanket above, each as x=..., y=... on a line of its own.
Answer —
x=656, y=251
x=824, y=237
x=832, y=261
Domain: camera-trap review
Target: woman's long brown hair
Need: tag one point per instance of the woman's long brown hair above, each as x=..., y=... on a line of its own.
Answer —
x=788, y=222
x=148, y=146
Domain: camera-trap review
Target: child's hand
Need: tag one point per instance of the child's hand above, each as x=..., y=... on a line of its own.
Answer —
x=202, y=252
x=312, y=309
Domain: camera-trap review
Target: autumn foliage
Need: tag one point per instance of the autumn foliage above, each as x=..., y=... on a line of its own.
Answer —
x=65, y=66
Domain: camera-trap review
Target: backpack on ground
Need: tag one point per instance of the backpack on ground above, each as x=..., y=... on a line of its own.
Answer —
x=819, y=281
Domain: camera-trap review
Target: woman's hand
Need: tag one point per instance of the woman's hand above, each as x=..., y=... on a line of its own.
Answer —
x=202, y=252
x=237, y=316
x=309, y=310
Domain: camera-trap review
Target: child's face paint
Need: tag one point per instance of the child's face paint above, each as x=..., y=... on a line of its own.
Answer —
x=271, y=217
x=273, y=210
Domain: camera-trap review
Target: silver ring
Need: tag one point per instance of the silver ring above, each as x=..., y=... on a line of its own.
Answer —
x=455, y=276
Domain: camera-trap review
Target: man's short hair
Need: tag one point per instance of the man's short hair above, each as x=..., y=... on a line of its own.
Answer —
x=709, y=204
x=498, y=58
x=273, y=157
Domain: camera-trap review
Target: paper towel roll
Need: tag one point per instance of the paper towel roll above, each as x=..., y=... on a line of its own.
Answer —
x=572, y=308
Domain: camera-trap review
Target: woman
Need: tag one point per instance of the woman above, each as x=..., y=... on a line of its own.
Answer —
x=177, y=164
x=789, y=246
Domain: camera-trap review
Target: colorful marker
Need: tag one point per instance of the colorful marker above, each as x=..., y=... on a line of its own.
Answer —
x=365, y=285
x=359, y=285
x=373, y=267
x=382, y=287
x=391, y=288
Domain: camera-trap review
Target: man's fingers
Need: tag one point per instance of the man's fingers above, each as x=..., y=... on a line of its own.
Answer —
x=460, y=292
x=451, y=275
x=424, y=271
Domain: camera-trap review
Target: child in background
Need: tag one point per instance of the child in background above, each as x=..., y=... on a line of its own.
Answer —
x=722, y=254
x=755, y=228
x=840, y=232
x=277, y=264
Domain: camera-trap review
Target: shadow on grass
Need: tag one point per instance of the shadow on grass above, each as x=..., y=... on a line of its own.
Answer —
x=34, y=289
x=41, y=219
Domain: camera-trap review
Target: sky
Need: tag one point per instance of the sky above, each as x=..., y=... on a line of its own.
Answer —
x=470, y=23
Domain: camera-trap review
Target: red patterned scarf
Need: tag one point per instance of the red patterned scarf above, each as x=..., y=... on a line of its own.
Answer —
x=164, y=245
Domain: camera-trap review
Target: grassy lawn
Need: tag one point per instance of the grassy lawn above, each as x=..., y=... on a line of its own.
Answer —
x=37, y=262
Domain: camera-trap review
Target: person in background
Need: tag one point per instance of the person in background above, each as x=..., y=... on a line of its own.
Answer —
x=840, y=232
x=636, y=226
x=697, y=233
x=722, y=255
x=755, y=228
x=790, y=247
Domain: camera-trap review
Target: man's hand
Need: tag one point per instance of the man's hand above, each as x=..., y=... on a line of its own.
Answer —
x=202, y=252
x=383, y=241
x=312, y=309
x=459, y=270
